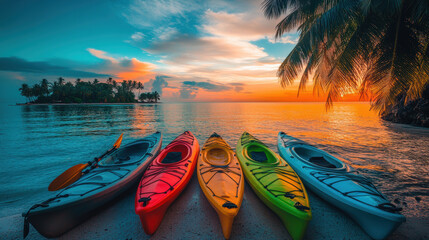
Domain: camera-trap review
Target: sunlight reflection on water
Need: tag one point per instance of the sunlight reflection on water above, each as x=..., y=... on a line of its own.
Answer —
x=39, y=142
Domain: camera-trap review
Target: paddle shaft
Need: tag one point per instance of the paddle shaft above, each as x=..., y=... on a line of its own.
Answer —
x=74, y=173
x=92, y=164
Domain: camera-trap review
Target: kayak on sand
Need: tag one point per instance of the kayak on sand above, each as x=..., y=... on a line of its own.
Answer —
x=275, y=183
x=165, y=179
x=337, y=183
x=221, y=180
x=113, y=175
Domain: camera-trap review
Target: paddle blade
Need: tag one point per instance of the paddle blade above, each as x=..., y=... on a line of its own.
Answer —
x=118, y=142
x=68, y=177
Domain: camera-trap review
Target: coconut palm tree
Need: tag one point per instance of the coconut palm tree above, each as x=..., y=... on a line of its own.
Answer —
x=61, y=81
x=140, y=87
x=375, y=47
x=25, y=91
x=156, y=96
x=143, y=97
x=45, y=87
x=149, y=96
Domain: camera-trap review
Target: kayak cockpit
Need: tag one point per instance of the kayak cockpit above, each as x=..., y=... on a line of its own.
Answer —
x=218, y=157
x=317, y=157
x=126, y=155
x=175, y=153
x=261, y=154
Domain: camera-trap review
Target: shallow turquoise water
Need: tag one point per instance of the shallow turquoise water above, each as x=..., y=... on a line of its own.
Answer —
x=40, y=142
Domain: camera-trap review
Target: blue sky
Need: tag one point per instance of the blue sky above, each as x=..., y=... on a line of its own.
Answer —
x=215, y=45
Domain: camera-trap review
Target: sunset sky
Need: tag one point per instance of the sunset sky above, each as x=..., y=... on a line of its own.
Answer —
x=187, y=50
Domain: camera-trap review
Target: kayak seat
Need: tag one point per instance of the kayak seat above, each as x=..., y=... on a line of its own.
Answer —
x=120, y=160
x=321, y=161
x=217, y=156
x=128, y=154
x=172, y=157
x=259, y=156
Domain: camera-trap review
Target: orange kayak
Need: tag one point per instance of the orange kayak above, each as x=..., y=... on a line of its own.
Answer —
x=221, y=179
x=165, y=179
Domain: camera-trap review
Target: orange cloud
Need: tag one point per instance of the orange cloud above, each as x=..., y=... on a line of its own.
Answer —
x=138, y=70
x=125, y=68
x=102, y=55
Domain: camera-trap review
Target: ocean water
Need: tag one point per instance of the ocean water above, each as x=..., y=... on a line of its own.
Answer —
x=38, y=143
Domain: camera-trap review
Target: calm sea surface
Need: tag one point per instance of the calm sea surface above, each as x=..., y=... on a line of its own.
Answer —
x=38, y=143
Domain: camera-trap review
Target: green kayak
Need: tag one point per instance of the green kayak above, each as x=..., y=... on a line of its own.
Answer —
x=275, y=183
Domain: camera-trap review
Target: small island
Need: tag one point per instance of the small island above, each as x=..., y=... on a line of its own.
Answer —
x=111, y=91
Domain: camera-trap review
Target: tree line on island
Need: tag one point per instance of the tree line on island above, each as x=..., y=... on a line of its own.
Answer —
x=111, y=91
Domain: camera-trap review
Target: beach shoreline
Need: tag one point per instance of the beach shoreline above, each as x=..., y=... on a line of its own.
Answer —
x=192, y=217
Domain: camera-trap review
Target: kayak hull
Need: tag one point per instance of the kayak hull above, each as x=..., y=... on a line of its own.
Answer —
x=54, y=219
x=163, y=181
x=377, y=227
x=377, y=223
x=275, y=183
x=221, y=180
x=57, y=221
x=296, y=226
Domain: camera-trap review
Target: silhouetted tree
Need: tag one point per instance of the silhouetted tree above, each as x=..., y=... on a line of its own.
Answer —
x=81, y=91
x=25, y=91
x=378, y=48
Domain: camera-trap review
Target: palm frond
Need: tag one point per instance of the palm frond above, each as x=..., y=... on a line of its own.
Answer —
x=376, y=47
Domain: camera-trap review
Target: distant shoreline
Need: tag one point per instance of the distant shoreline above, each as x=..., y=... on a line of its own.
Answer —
x=30, y=104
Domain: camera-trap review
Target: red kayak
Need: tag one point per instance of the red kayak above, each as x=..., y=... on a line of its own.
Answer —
x=165, y=179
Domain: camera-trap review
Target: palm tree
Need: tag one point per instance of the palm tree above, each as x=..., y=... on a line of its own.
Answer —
x=139, y=87
x=60, y=81
x=25, y=91
x=156, y=96
x=45, y=87
x=377, y=48
x=37, y=90
x=149, y=96
x=143, y=97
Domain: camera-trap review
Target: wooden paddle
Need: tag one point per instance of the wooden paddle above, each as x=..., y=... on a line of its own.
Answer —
x=72, y=174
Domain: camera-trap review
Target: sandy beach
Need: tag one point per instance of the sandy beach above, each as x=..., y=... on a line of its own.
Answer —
x=192, y=217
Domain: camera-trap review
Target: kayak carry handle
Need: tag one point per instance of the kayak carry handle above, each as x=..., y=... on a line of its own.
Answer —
x=301, y=207
x=145, y=200
x=389, y=207
x=290, y=195
x=229, y=205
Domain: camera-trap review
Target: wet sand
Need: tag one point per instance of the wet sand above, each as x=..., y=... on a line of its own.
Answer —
x=192, y=217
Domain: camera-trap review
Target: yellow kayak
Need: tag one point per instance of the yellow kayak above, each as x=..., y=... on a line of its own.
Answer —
x=221, y=179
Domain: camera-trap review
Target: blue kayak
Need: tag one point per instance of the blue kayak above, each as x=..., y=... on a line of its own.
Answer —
x=342, y=186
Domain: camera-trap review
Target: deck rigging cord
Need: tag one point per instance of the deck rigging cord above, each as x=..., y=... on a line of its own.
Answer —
x=285, y=171
x=225, y=169
x=91, y=172
x=353, y=175
x=177, y=170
